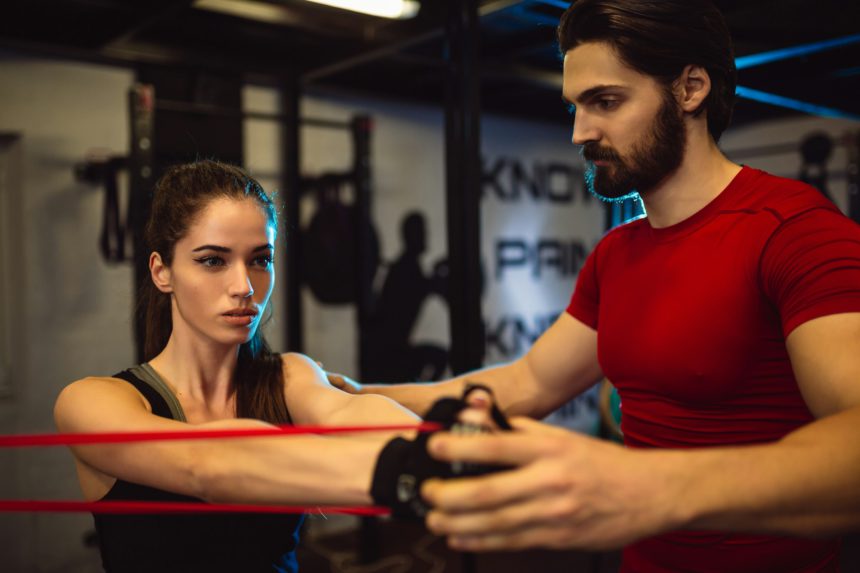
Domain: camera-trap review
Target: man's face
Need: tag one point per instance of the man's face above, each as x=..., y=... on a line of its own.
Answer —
x=630, y=128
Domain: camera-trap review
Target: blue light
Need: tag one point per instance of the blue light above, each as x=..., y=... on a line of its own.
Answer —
x=805, y=107
x=533, y=17
x=557, y=3
x=847, y=72
x=793, y=52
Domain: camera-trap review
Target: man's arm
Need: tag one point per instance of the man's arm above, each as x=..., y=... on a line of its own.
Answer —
x=569, y=490
x=561, y=364
x=312, y=400
x=809, y=482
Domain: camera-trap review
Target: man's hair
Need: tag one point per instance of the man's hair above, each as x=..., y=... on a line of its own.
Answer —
x=660, y=38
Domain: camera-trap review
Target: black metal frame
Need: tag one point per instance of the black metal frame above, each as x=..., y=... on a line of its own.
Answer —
x=463, y=182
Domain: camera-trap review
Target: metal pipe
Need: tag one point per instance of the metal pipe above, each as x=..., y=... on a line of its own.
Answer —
x=291, y=183
x=463, y=182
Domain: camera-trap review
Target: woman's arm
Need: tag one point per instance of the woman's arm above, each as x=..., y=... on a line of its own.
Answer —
x=289, y=469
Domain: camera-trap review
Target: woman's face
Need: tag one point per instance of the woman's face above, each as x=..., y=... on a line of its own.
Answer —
x=222, y=273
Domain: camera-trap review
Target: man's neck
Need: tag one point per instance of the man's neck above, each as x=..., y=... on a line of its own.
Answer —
x=702, y=175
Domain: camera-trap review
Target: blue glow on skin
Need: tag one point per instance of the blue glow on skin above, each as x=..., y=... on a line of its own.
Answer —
x=794, y=52
x=789, y=103
x=591, y=173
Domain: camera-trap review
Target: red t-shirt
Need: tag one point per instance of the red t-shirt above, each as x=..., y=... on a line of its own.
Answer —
x=692, y=321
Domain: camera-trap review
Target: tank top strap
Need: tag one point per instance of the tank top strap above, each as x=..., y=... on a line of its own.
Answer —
x=147, y=381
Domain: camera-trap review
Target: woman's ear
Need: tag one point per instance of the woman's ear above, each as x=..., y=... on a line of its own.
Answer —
x=692, y=87
x=160, y=273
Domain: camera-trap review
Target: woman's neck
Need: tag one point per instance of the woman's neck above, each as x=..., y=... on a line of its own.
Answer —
x=198, y=371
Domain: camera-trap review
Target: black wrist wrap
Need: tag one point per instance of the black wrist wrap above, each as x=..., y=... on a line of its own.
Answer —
x=403, y=465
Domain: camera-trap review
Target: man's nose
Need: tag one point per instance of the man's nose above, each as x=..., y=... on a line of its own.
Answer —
x=584, y=129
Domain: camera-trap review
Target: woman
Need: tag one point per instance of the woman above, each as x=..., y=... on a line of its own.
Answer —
x=212, y=239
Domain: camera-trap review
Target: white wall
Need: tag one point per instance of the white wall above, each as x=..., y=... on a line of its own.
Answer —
x=75, y=308
x=787, y=164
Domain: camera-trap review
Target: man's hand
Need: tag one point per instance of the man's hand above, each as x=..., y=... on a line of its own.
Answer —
x=344, y=383
x=566, y=491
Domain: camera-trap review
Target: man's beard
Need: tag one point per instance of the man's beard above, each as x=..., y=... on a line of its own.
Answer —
x=658, y=153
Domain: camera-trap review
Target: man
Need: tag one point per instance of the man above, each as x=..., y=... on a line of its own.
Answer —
x=728, y=319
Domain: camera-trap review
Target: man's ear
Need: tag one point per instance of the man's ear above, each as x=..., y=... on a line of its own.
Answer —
x=692, y=87
x=160, y=273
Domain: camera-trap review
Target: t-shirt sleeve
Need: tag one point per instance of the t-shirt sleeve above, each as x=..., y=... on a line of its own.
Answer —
x=584, y=303
x=811, y=267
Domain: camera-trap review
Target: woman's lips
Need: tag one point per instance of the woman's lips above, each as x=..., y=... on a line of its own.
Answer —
x=240, y=317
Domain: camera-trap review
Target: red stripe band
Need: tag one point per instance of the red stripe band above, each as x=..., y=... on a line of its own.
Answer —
x=121, y=437
x=149, y=507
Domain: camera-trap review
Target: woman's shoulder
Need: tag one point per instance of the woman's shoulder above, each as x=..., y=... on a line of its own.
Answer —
x=87, y=396
x=98, y=389
x=110, y=384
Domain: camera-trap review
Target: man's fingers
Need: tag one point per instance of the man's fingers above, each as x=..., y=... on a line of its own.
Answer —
x=515, y=541
x=479, y=398
x=524, y=424
x=489, y=491
x=508, y=448
x=342, y=382
x=507, y=519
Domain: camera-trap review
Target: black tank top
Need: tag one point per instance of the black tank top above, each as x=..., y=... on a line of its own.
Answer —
x=187, y=543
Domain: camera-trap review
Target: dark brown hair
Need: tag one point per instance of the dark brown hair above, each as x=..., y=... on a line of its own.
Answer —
x=180, y=196
x=660, y=38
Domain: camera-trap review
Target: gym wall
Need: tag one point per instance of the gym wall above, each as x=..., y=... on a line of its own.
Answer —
x=69, y=313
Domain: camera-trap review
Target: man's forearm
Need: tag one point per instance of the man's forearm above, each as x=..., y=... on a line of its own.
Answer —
x=806, y=484
x=416, y=396
x=419, y=396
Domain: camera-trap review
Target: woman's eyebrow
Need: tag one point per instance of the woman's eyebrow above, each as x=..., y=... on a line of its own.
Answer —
x=216, y=248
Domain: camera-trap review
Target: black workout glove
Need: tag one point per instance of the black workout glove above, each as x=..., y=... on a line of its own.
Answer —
x=403, y=465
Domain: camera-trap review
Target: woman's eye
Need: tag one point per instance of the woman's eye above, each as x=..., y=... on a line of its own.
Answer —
x=264, y=261
x=211, y=261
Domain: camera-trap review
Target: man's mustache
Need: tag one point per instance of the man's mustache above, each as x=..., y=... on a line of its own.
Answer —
x=593, y=152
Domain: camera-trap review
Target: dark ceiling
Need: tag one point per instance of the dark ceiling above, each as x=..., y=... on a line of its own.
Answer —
x=329, y=48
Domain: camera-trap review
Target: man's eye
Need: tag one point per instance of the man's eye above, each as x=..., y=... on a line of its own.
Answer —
x=571, y=109
x=608, y=104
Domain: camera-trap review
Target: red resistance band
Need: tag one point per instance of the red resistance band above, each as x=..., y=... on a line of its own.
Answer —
x=150, y=507
x=25, y=440
x=143, y=507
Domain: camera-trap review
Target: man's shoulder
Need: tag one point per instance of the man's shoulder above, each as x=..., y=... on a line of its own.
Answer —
x=780, y=197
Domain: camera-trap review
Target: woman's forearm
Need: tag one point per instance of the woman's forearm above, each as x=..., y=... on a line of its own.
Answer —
x=288, y=470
